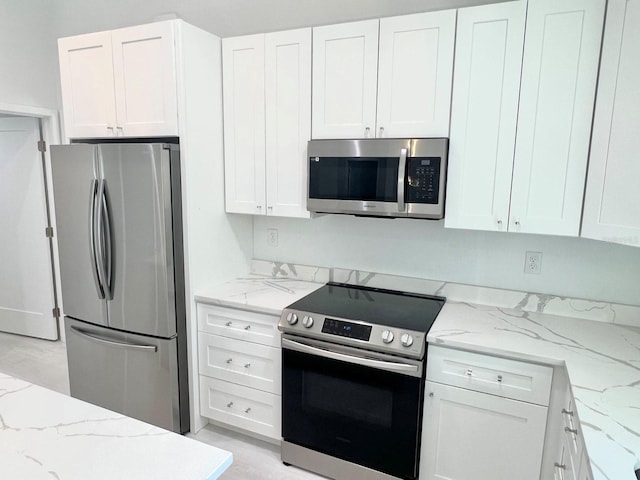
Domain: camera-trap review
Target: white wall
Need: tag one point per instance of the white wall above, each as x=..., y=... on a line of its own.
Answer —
x=29, y=70
x=572, y=267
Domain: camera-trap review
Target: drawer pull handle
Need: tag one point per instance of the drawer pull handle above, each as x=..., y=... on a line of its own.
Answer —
x=567, y=412
x=247, y=365
x=469, y=372
x=228, y=324
x=561, y=467
x=230, y=404
x=499, y=378
x=248, y=327
x=431, y=394
x=229, y=360
x=571, y=430
x=247, y=410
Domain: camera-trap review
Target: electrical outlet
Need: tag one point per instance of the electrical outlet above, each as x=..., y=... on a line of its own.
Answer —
x=272, y=237
x=533, y=262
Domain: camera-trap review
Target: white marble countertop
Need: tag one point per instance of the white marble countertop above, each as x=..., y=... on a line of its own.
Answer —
x=602, y=360
x=49, y=436
x=257, y=293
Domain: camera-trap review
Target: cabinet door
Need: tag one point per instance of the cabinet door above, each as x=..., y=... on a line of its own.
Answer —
x=144, y=70
x=559, y=73
x=415, y=66
x=345, y=69
x=288, y=120
x=86, y=78
x=612, y=203
x=484, y=115
x=244, y=127
x=470, y=435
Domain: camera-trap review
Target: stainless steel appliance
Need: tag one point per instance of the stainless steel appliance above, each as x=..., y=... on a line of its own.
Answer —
x=353, y=381
x=378, y=177
x=118, y=215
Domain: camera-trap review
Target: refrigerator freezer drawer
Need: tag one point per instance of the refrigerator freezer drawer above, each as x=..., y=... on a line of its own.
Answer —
x=131, y=374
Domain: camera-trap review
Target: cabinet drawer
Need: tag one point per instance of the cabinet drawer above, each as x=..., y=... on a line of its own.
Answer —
x=484, y=373
x=242, y=407
x=244, y=363
x=240, y=324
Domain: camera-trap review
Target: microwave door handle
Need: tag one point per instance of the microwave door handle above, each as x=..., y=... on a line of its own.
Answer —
x=402, y=168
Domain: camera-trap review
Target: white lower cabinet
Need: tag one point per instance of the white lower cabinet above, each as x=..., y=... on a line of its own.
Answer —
x=473, y=430
x=240, y=369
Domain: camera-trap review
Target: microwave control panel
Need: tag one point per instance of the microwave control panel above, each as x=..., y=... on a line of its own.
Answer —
x=422, y=180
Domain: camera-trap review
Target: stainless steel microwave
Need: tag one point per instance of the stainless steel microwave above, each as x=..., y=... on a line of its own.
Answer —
x=395, y=177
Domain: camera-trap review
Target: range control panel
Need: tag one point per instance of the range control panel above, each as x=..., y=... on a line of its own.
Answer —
x=406, y=343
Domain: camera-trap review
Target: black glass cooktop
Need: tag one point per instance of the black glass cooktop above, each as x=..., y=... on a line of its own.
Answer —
x=403, y=310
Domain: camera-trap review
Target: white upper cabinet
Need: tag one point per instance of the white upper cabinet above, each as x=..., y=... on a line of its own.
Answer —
x=402, y=89
x=267, y=122
x=531, y=181
x=345, y=66
x=88, y=91
x=120, y=83
x=612, y=203
x=415, y=63
x=486, y=86
x=243, y=104
x=288, y=124
x=559, y=75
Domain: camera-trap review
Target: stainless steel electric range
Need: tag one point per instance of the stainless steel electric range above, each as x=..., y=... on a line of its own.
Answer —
x=353, y=361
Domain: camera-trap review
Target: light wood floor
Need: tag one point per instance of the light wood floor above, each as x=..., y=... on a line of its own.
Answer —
x=44, y=363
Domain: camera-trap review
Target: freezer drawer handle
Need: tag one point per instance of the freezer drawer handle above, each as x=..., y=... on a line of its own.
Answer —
x=113, y=343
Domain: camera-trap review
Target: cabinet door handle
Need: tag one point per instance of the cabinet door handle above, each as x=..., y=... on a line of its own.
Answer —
x=499, y=378
x=229, y=360
x=248, y=327
x=571, y=430
x=567, y=412
x=121, y=130
x=560, y=466
x=247, y=410
x=367, y=131
x=230, y=404
x=112, y=130
x=228, y=324
x=381, y=132
x=469, y=372
x=247, y=365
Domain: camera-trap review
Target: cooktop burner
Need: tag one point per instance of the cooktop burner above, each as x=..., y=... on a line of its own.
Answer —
x=365, y=317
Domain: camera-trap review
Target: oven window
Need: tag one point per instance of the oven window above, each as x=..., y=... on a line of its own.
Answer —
x=362, y=178
x=347, y=406
x=356, y=413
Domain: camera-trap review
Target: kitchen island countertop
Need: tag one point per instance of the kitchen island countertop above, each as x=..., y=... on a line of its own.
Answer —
x=45, y=435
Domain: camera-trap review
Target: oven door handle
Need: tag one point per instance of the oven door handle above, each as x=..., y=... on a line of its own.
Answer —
x=397, y=367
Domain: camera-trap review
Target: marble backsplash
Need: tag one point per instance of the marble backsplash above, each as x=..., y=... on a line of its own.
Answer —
x=524, y=301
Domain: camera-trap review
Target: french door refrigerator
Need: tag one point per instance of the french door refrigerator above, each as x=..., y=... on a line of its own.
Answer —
x=119, y=229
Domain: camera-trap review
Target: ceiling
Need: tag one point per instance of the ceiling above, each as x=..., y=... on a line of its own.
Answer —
x=236, y=17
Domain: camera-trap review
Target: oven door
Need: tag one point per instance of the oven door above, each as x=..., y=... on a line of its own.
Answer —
x=361, y=407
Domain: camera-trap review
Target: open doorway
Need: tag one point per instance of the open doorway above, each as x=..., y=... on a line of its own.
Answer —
x=28, y=257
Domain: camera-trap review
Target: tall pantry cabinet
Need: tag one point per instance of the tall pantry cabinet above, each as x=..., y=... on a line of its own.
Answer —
x=531, y=181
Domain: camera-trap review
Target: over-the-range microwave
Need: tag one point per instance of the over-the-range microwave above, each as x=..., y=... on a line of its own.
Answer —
x=395, y=177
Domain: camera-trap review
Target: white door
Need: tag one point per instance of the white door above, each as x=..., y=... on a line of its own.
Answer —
x=415, y=68
x=345, y=70
x=612, y=203
x=244, y=127
x=26, y=279
x=559, y=74
x=469, y=435
x=144, y=72
x=86, y=78
x=288, y=120
x=484, y=115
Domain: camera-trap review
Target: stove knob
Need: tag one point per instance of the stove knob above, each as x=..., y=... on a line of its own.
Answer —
x=406, y=340
x=292, y=318
x=387, y=336
x=307, y=321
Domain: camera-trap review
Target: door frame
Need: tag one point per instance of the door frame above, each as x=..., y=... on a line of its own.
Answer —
x=51, y=134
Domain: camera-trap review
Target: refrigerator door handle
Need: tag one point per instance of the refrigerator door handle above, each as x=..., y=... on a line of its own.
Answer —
x=103, y=235
x=113, y=343
x=92, y=238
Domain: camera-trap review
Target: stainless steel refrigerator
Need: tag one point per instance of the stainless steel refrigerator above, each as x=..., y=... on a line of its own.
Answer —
x=119, y=231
